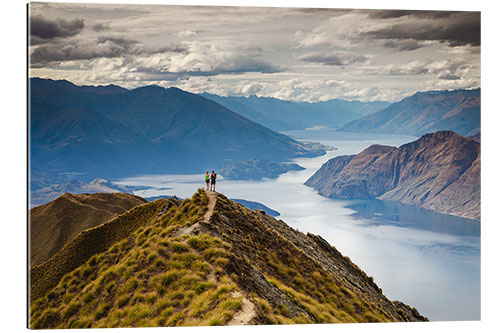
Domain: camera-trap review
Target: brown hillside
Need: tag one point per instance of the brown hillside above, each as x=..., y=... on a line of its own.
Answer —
x=205, y=261
x=54, y=224
x=439, y=171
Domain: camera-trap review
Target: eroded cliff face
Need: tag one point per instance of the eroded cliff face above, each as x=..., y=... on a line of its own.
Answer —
x=440, y=171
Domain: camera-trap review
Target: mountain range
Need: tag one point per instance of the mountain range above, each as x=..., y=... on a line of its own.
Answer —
x=202, y=261
x=282, y=115
x=439, y=171
x=425, y=112
x=109, y=131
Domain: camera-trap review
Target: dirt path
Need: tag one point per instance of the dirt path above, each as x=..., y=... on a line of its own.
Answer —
x=212, y=198
x=246, y=313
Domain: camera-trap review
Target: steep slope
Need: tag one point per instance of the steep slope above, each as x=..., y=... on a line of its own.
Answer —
x=203, y=126
x=83, y=141
x=439, y=171
x=111, y=131
x=425, y=112
x=205, y=261
x=54, y=224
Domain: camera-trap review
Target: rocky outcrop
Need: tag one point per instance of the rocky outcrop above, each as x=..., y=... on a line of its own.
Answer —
x=440, y=171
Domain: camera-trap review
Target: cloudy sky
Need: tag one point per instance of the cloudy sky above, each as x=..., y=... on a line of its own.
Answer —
x=288, y=53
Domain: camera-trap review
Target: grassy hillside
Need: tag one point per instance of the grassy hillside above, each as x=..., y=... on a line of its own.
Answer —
x=54, y=224
x=205, y=261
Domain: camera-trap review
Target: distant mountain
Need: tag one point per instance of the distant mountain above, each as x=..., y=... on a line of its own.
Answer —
x=283, y=115
x=54, y=224
x=425, y=112
x=256, y=169
x=82, y=141
x=113, y=132
x=439, y=171
x=203, y=261
x=49, y=193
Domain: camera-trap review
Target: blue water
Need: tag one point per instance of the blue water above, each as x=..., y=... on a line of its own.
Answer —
x=428, y=260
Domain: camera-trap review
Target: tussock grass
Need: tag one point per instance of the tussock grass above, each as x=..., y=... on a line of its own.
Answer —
x=147, y=276
x=143, y=278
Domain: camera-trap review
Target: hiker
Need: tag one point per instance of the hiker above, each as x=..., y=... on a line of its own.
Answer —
x=207, y=179
x=213, y=177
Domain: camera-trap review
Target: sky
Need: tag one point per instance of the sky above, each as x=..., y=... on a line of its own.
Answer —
x=300, y=54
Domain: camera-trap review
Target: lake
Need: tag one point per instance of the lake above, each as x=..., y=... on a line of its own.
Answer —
x=428, y=260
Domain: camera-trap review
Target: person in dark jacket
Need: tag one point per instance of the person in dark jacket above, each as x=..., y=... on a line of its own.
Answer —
x=213, y=177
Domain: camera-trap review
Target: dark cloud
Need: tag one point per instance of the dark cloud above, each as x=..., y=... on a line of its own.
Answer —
x=457, y=29
x=76, y=49
x=334, y=59
x=389, y=14
x=45, y=28
x=405, y=45
x=57, y=51
x=98, y=27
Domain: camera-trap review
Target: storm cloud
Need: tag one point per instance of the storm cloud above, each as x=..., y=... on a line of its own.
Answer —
x=457, y=29
x=84, y=49
x=45, y=28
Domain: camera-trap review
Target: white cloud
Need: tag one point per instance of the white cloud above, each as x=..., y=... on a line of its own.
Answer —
x=279, y=52
x=209, y=58
x=186, y=33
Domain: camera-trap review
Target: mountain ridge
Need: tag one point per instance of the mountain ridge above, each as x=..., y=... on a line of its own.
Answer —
x=54, y=224
x=291, y=115
x=202, y=261
x=425, y=112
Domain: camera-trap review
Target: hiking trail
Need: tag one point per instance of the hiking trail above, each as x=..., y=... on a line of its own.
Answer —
x=247, y=311
x=246, y=314
x=212, y=199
